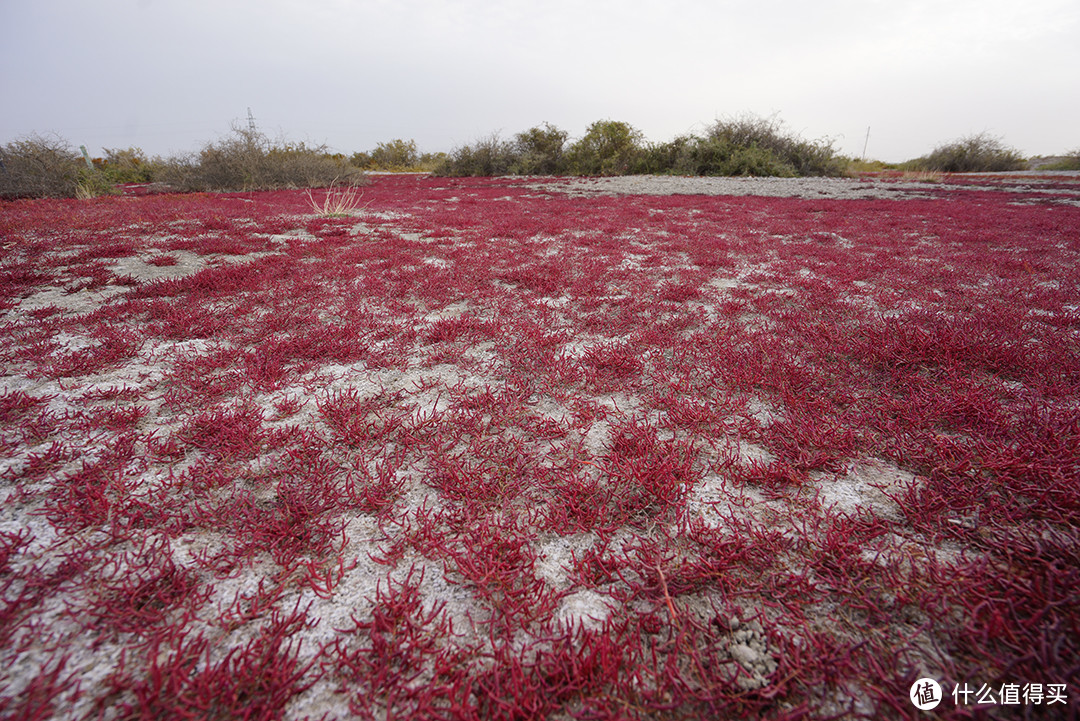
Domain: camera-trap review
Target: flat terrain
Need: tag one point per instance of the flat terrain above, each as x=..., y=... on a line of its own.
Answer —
x=542, y=448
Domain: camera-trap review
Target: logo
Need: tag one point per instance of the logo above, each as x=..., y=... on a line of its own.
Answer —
x=926, y=694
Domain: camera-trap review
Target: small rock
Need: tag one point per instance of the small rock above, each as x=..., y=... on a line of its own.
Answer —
x=745, y=656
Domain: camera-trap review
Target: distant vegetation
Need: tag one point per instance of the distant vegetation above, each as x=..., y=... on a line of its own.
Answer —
x=397, y=156
x=247, y=160
x=45, y=166
x=48, y=166
x=41, y=166
x=609, y=147
x=1070, y=161
x=746, y=145
x=980, y=153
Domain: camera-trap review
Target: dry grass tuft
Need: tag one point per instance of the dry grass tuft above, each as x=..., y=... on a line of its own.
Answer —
x=338, y=202
x=922, y=176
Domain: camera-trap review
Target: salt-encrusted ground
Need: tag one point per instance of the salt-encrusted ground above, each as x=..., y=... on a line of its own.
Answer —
x=834, y=188
x=569, y=447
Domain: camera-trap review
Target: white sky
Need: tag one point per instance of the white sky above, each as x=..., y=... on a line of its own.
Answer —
x=168, y=76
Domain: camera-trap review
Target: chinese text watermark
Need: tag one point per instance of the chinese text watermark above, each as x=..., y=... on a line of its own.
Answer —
x=926, y=694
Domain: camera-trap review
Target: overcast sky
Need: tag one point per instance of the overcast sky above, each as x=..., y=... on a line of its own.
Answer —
x=167, y=76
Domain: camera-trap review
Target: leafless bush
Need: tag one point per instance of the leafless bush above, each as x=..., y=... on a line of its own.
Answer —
x=39, y=166
x=248, y=160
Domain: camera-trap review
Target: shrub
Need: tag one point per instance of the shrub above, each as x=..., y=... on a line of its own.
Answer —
x=93, y=183
x=539, y=151
x=125, y=166
x=862, y=165
x=666, y=158
x=719, y=156
x=361, y=160
x=1070, y=161
x=753, y=145
x=487, y=156
x=430, y=161
x=248, y=160
x=609, y=147
x=39, y=166
x=981, y=153
x=397, y=154
x=743, y=146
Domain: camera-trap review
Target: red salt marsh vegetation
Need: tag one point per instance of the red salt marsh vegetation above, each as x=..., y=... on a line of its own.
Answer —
x=488, y=449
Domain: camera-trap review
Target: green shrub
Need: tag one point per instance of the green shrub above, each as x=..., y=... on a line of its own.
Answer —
x=93, y=183
x=362, y=160
x=718, y=156
x=981, y=153
x=487, y=156
x=539, y=151
x=609, y=147
x=760, y=146
x=397, y=154
x=248, y=160
x=430, y=161
x=1071, y=161
x=39, y=166
x=668, y=158
x=743, y=146
x=125, y=166
x=862, y=165
x=816, y=157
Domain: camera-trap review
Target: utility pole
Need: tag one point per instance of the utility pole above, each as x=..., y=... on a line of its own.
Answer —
x=86, y=157
x=865, y=143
